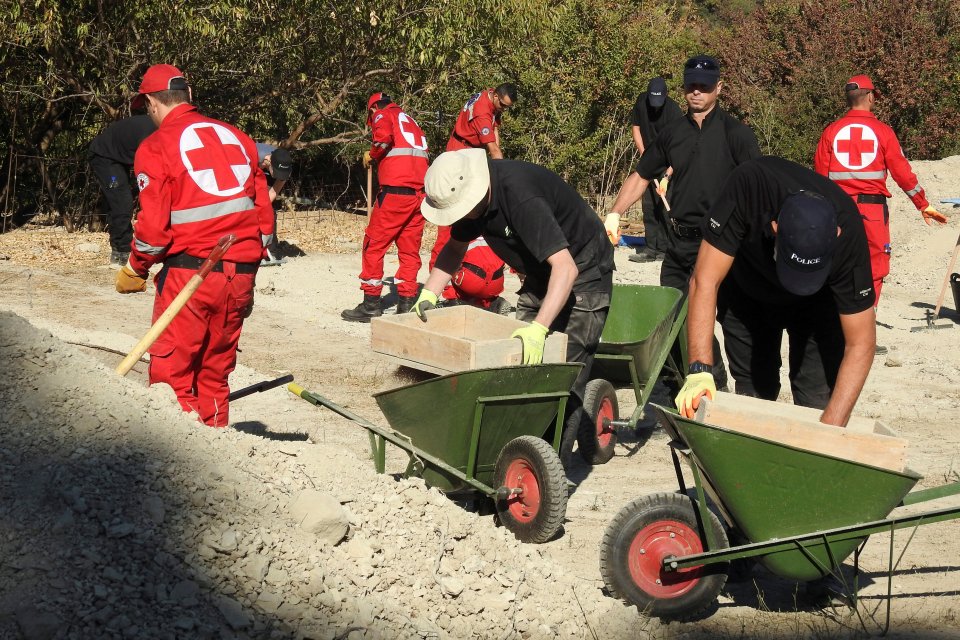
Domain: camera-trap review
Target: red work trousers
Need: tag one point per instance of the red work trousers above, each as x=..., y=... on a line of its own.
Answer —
x=876, y=222
x=395, y=219
x=479, y=280
x=198, y=351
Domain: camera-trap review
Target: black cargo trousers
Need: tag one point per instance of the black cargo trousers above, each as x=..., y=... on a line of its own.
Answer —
x=582, y=319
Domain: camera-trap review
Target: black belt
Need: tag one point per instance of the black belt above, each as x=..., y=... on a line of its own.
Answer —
x=184, y=261
x=400, y=191
x=482, y=273
x=463, y=140
x=871, y=198
x=684, y=231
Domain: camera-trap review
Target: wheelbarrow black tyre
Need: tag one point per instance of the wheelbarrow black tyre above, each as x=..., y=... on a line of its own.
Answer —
x=643, y=533
x=596, y=440
x=531, y=463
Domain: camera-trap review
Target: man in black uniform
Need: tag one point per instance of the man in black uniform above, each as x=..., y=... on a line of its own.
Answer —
x=542, y=228
x=784, y=250
x=111, y=158
x=703, y=148
x=653, y=110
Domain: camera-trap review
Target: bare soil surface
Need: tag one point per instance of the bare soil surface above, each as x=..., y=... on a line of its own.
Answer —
x=122, y=517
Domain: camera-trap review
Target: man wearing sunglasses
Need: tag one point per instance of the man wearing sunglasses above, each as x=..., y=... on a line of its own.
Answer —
x=477, y=127
x=199, y=181
x=857, y=151
x=703, y=148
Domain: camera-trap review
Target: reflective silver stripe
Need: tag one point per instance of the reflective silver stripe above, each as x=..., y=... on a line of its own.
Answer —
x=210, y=211
x=917, y=189
x=148, y=249
x=398, y=281
x=382, y=145
x=375, y=283
x=266, y=239
x=419, y=153
x=857, y=175
x=479, y=242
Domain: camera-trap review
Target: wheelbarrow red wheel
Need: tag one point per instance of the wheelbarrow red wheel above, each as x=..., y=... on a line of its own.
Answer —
x=532, y=488
x=597, y=438
x=637, y=540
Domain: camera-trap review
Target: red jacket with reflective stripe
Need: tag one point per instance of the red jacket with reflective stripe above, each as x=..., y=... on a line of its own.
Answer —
x=477, y=123
x=399, y=147
x=199, y=180
x=858, y=150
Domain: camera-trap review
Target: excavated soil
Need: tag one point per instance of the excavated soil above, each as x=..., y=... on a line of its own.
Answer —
x=122, y=517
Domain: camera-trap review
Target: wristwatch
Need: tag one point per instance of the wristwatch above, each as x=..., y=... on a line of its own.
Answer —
x=699, y=367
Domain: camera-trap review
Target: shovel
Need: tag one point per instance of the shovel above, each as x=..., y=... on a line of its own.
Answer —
x=178, y=303
x=931, y=316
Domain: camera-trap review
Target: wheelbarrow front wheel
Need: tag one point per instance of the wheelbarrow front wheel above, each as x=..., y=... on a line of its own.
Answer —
x=532, y=489
x=597, y=437
x=637, y=540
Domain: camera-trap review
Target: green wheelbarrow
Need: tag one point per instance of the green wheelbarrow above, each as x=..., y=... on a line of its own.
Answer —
x=481, y=432
x=643, y=324
x=800, y=513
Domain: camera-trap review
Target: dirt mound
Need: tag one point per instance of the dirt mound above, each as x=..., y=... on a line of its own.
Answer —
x=123, y=517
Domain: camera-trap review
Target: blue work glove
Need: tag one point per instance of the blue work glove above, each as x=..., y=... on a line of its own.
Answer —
x=533, y=336
x=695, y=387
x=425, y=301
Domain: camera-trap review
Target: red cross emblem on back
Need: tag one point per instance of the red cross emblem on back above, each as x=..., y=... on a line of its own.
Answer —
x=855, y=146
x=217, y=156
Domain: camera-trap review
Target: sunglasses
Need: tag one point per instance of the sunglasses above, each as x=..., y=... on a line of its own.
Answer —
x=709, y=65
x=853, y=86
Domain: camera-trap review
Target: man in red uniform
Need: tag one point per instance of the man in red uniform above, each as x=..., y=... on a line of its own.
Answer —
x=199, y=181
x=400, y=152
x=477, y=127
x=856, y=152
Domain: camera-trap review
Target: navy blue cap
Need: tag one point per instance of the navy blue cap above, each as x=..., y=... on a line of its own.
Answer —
x=806, y=239
x=657, y=92
x=701, y=70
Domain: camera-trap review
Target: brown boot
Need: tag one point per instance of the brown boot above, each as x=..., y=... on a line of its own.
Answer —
x=369, y=308
x=405, y=305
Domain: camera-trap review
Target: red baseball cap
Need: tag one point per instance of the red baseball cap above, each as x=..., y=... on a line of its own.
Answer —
x=159, y=77
x=375, y=98
x=859, y=82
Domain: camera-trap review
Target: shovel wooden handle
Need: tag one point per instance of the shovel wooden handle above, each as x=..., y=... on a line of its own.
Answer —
x=946, y=279
x=178, y=303
x=663, y=196
x=369, y=190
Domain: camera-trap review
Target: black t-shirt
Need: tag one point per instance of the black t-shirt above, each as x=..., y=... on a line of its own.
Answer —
x=651, y=121
x=739, y=225
x=120, y=140
x=702, y=159
x=533, y=214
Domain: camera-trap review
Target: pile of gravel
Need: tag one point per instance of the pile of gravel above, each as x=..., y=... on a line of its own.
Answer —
x=122, y=517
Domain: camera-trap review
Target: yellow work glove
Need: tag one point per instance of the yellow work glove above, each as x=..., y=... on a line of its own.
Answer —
x=932, y=214
x=367, y=160
x=128, y=281
x=662, y=186
x=533, y=336
x=695, y=387
x=612, y=224
x=425, y=301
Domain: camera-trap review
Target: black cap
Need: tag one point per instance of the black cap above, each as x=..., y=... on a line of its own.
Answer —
x=701, y=70
x=657, y=92
x=281, y=164
x=806, y=238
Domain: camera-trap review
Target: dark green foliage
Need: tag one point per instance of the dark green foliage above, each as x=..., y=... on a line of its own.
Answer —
x=299, y=74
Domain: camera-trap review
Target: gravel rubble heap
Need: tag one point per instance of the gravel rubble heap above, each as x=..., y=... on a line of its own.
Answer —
x=121, y=517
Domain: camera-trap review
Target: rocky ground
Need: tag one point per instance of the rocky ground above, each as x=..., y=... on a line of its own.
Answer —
x=121, y=517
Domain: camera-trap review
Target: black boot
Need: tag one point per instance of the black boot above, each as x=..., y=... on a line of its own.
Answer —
x=405, y=305
x=369, y=308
